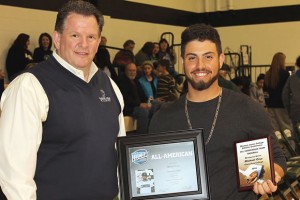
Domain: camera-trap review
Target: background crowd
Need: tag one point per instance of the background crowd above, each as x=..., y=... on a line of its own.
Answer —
x=156, y=81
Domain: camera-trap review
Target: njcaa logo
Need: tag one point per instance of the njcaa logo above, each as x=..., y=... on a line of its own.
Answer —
x=103, y=97
x=139, y=156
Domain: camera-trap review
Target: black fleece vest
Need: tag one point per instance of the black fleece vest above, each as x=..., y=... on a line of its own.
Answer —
x=77, y=158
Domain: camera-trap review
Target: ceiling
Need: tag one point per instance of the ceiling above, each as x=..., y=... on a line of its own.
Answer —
x=202, y=6
x=218, y=13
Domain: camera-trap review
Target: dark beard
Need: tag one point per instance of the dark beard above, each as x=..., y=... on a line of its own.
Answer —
x=202, y=85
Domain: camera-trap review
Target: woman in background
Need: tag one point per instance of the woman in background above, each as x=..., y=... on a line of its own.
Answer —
x=18, y=57
x=167, y=53
x=144, y=54
x=44, y=50
x=154, y=56
x=275, y=80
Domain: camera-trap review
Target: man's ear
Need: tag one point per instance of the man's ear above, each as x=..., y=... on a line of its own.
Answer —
x=221, y=59
x=56, y=39
x=181, y=59
x=99, y=41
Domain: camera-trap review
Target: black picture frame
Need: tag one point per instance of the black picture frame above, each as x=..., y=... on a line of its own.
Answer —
x=254, y=162
x=167, y=165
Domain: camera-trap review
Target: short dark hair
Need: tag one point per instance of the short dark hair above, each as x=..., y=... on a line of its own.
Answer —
x=225, y=67
x=260, y=77
x=200, y=32
x=164, y=62
x=128, y=42
x=79, y=7
x=298, y=61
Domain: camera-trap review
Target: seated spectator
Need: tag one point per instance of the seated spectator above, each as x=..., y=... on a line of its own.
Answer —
x=144, y=54
x=224, y=82
x=148, y=81
x=102, y=60
x=44, y=50
x=166, y=89
x=168, y=53
x=224, y=79
x=225, y=71
x=135, y=99
x=243, y=82
x=256, y=90
x=18, y=57
x=228, y=84
x=154, y=56
x=124, y=56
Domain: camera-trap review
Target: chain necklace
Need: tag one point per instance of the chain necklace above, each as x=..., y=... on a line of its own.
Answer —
x=215, y=117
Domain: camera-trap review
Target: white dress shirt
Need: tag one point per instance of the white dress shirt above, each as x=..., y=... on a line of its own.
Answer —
x=24, y=106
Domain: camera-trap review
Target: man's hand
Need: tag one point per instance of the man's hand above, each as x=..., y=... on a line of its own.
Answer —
x=267, y=187
x=146, y=106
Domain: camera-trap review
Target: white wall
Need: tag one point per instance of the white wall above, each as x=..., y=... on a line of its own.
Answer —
x=187, y=5
x=201, y=6
x=265, y=39
x=15, y=20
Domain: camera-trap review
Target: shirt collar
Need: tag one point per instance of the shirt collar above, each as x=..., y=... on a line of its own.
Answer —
x=73, y=70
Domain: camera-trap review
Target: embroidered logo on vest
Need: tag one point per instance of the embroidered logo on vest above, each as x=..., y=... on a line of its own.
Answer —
x=103, y=97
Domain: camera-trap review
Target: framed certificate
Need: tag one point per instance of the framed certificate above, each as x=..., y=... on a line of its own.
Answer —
x=254, y=162
x=168, y=165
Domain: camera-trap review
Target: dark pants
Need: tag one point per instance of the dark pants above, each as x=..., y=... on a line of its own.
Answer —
x=142, y=117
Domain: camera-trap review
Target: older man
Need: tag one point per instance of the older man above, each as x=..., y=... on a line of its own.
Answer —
x=135, y=100
x=60, y=120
